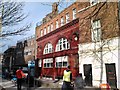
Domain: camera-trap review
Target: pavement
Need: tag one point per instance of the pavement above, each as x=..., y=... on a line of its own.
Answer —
x=40, y=84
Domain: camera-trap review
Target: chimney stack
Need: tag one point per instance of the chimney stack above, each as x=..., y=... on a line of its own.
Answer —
x=55, y=7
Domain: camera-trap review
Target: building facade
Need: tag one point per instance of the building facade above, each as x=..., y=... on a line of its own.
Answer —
x=57, y=44
x=8, y=62
x=85, y=36
x=29, y=49
x=99, y=44
x=25, y=51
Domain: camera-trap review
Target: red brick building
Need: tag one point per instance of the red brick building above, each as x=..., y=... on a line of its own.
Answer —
x=57, y=42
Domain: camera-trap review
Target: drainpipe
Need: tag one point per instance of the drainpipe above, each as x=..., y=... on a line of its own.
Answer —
x=10, y=63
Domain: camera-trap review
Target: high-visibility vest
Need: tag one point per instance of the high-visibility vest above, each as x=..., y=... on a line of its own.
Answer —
x=19, y=74
x=66, y=76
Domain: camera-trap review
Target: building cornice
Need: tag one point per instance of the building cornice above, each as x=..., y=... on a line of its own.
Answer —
x=73, y=22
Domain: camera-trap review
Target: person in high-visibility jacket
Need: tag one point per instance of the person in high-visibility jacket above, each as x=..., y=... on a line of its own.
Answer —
x=67, y=79
x=19, y=75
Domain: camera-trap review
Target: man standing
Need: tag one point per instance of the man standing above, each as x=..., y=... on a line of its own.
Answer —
x=19, y=75
x=67, y=78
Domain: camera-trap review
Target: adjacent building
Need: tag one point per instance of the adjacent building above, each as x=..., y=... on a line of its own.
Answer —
x=8, y=62
x=25, y=51
x=29, y=49
x=99, y=44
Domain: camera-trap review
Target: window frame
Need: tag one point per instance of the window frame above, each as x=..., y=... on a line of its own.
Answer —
x=96, y=30
x=57, y=24
x=48, y=63
x=74, y=12
x=59, y=62
x=48, y=29
x=62, y=44
x=41, y=32
x=62, y=21
x=48, y=48
x=67, y=17
x=93, y=2
x=51, y=26
x=45, y=30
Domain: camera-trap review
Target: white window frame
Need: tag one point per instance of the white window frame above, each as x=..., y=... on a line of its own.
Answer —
x=48, y=63
x=45, y=31
x=96, y=31
x=67, y=17
x=41, y=33
x=57, y=25
x=93, y=2
x=74, y=13
x=48, y=28
x=51, y=26
x=48, y=48
x=62, y=21
x=62, y=44
x=61, y=62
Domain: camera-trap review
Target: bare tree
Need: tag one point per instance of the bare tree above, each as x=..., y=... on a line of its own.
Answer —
x=99, y=49
x=12, y=15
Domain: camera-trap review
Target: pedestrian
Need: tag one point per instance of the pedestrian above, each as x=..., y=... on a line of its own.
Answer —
x=79, y=82
x=67, y=79
x=19, y=75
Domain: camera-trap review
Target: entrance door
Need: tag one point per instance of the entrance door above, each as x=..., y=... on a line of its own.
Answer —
x=88, y=74
x=111, y=75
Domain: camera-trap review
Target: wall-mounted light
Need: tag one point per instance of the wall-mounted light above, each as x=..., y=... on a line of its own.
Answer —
x=75, y=38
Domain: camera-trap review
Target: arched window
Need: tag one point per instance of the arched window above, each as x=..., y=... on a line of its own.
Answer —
x=62, y=44
x=48, y=48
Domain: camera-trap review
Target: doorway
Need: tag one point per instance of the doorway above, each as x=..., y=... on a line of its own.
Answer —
x=88, y=74
x=111, y=75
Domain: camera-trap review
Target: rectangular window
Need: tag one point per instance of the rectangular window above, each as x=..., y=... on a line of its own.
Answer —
x=45, y=31
x=67, y=17
x=62, y=21
x=48, y=63
x=96, y=31
x=52, y=27
x=48, y=28
x=41, y=33
x=93, y=2
x=57, y=24
x=74, y=13
x=61, y=61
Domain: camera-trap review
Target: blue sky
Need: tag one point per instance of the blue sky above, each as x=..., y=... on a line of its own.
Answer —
x=36, y=11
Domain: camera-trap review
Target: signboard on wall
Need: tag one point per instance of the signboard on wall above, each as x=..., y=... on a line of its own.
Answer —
x=31, y=63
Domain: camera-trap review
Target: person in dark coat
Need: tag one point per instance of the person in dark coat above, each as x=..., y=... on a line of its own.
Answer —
x=79, y=82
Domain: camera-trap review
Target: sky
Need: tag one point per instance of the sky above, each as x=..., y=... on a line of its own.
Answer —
x=36, y=11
